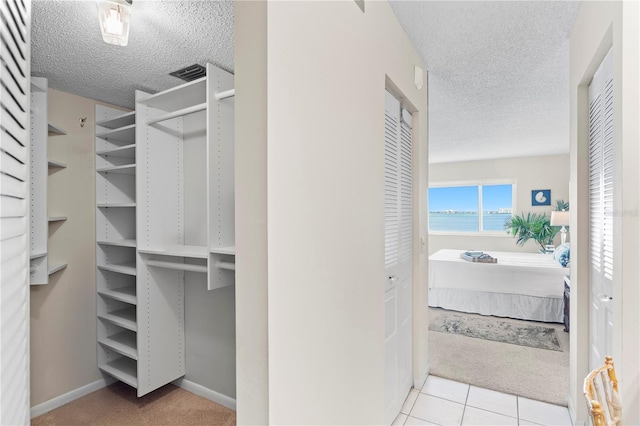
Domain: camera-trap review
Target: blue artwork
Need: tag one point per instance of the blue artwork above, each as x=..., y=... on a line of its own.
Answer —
x=541, y=197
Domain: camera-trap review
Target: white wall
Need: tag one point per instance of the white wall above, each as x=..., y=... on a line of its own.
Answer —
x=312, y=152
x=598, y=27
x=529, y=173
x=63, y=312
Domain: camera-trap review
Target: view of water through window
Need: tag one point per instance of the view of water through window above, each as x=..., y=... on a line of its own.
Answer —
x=456, y=208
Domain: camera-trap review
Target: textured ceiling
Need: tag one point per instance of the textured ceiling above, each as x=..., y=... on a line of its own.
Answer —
x=498, y=75
x=164, y=36
x=498, y=71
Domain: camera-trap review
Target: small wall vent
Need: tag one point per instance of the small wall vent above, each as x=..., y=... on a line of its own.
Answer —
x=190, y=73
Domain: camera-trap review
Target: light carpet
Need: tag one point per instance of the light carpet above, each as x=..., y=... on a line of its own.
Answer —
x=117, y=404
x=533, y=373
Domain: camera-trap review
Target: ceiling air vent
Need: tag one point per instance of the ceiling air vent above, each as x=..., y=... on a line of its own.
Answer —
x=190, y=73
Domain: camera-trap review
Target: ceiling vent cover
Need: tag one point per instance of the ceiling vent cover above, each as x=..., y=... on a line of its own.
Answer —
x=190, y=73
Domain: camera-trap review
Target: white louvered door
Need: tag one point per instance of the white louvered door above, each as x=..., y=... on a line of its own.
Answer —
x=14, y=212
x=398, y=188
x=601, y=193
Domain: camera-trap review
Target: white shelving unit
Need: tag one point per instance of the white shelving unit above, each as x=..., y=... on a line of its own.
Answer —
x=164, y=218
x=116, y=243
x=41, y=130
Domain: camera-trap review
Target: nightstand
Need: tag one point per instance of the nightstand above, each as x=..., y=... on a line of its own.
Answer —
x=567, y=300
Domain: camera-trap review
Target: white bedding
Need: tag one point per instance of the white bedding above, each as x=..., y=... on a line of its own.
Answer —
x=521, y=285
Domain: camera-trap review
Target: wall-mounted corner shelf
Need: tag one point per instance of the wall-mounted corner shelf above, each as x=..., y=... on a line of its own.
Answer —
x=53, y=267
x=37, y=255
x=55, y=130
x=57, y=218
x=123, y=134
x=56, y=164
x=120, y=243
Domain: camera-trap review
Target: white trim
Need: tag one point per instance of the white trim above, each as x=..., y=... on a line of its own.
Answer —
x=572, y=414
x=419, y=383
x=503, y=234
x=66, y=398
x=205, y=392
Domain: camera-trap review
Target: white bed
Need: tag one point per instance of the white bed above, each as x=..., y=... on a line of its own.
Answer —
x=521, y=285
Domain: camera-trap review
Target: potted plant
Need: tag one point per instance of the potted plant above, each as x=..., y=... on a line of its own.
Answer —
x=534, y=226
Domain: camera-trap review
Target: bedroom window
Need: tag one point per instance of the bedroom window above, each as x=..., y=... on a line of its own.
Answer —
x=470, y=208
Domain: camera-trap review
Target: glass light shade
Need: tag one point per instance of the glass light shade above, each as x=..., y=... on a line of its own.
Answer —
x=560, y=218
x=115, y=16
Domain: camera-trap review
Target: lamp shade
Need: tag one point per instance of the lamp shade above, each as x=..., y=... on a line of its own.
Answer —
x=560, y=218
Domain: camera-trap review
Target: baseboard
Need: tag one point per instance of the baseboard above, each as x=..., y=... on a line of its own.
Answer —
x=205, y=392
x=66, y=398
x=419, y=384
x=572, y=414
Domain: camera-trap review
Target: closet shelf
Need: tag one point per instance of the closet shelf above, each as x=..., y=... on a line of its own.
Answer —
x=197, y=252
x=55, y=130
x=128, y=268
x=125, y=318
x=223, y=250
x=123, y=369
x=120, y=243
x=126, y=151
x=180, y=97
x=123, y=343
x=124, y=294
x=122, y=134
x=117, y=122
x=37, y=255
x=57, y=218
x=117, y=205
x=177, y=266
x=53, y=267
x=56, y=164
x=179, y=113
x=35, y=87
x=127, y=169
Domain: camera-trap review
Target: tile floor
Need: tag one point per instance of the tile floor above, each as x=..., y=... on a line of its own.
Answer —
x=445, y=402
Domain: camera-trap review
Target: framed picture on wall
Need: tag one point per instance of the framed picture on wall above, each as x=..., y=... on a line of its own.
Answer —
x=541, y=197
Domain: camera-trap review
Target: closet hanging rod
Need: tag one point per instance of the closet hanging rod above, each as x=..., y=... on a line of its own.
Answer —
x=178, y=266
x=224, y=95
x=178, y=113
x=226, y=265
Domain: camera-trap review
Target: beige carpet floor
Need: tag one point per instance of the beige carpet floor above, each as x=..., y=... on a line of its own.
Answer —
x=533, y=373
x=117, y=404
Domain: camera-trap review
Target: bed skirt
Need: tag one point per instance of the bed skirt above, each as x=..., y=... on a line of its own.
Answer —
x=534, y=308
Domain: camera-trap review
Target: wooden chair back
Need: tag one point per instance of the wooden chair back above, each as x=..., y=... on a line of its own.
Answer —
x=601, y=392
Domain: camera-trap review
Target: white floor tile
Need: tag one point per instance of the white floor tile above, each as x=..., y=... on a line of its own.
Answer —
x=413, y=421
x=408, y=403
x=399, y=421
x=490, y=400
x=476, y=416
x=437, y=410
x=447, y=389
x=543, y=413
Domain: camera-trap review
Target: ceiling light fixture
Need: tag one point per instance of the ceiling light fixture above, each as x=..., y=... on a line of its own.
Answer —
x=114, y=20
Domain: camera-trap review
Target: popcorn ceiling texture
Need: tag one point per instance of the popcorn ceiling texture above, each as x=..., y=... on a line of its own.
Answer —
x=498, y=75
x=164, y=36
x=498, y=71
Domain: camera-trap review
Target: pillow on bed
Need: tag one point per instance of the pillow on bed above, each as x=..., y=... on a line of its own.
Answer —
x=562, y=254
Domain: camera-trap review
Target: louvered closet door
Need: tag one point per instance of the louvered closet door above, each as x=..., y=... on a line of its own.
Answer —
x=601, y=193
x=398, y=252
x=14, y=213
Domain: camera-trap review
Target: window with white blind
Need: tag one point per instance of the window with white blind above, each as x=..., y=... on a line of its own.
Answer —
x=14, y=212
